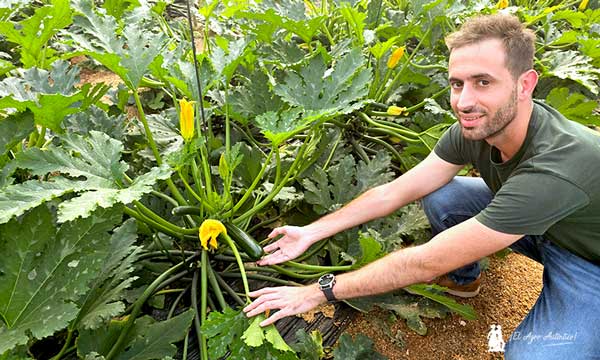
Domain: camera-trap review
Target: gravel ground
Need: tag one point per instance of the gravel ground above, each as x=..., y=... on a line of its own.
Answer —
x=510, y=288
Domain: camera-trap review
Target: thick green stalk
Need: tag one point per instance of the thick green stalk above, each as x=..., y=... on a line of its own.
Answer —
x=229, y=290
x=152, y=215
x=249, y=191
x=262, y=278
x=370, y=121
x=240, y=264
x=146, y=220
x=65, y=347
x=180, y=199
x=203, y=299
x=382, y=94
x=317, y=267
x=296, y=275
x=197, y=323
x=216, y=288
x=277, y=187
x=137, y=307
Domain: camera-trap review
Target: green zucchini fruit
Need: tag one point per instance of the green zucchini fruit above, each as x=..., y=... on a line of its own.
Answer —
x=244, y=241
x=186, y=210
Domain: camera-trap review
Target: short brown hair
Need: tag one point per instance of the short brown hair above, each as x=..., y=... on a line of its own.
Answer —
x=518, y=41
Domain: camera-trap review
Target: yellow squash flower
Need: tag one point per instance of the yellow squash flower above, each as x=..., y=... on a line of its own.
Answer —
x=502, y=4
x=395, y=57
x=583, y=5
x=209, y=231
x=395, y=110
x=186, y=119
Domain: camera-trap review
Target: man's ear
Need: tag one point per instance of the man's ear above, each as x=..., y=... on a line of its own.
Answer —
x=527, y=82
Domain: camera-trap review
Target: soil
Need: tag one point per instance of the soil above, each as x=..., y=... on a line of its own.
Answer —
x=510, y=288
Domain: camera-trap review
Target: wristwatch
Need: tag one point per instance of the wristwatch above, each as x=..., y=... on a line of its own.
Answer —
x=326, y=283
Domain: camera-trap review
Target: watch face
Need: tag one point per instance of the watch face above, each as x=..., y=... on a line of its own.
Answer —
x=326, y=280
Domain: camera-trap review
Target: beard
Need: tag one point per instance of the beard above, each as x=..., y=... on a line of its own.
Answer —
x=494, y=126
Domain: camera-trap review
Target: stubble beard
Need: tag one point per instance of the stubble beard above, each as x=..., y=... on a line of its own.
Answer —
x=496, y=125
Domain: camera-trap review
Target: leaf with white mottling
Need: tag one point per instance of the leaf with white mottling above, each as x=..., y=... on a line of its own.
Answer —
x=44, y=269
x=95, y=170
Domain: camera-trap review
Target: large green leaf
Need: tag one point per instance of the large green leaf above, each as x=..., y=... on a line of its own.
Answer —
x=45, y=269
x=231, y=332
x=33, y=33
x=280, y=127
x=574, y=66
x=94, y=169
x=156, y=340
x=323, y=91
x=574, y=106
x=148, y=339
x=288, y=15
x=328, y=191
x=309, y=347
x=94, y=118
x=103, y=300
x=13, y=129
x=127, y=53
x=50, y=95
x=358, y=349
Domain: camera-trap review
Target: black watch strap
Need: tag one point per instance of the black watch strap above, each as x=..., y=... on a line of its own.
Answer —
x=329, y=294
x=326, y=283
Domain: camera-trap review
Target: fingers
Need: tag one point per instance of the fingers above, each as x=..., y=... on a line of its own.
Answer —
x=271, y=247
x=274, y=258
x=276, y=316
x=277, y=231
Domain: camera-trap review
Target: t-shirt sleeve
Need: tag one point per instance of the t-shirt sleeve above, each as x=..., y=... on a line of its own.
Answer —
x=530, y=203
x=450, y=147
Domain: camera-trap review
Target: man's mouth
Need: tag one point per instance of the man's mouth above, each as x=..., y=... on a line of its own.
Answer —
x=470, y=120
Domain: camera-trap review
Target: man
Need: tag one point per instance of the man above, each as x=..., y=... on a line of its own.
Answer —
x=539, y=193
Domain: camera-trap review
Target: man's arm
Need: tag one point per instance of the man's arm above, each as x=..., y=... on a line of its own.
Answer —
x=429, y=175
x=459, y=245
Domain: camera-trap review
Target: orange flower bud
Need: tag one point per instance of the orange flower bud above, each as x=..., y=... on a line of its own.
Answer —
x=186, y=119
x=582, y=5
x=396, y=110
x=502, y=4
x=395, y=57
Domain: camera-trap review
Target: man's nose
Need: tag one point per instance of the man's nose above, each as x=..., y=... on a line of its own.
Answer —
x=466, y=98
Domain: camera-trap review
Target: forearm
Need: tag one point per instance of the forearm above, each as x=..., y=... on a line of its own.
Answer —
x=394, y=271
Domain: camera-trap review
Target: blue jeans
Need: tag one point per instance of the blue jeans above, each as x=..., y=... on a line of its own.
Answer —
x=564, y=323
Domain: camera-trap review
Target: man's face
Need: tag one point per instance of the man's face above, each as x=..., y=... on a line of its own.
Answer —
x=483, y=92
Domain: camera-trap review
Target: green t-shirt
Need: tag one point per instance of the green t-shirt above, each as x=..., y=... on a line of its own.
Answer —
x=550, y=187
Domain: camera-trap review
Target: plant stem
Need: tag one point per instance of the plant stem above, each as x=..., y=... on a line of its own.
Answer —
x=263, y=278
x=249, y=191
x=137, y=306
x=157, y=218
x=296, y=275
x=216, y=289
x=197, y=323
x=229, y=290
x=240, y=264
x=381, y=95
x=144, y=219
x=176, y=302
x=63, y=350
x=203, y=299
x=277, y=187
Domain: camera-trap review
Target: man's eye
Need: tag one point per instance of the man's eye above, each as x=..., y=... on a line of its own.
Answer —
x=456, y=85
x=484, y=82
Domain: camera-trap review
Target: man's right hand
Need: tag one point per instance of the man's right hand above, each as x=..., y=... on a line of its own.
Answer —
x=294, y=242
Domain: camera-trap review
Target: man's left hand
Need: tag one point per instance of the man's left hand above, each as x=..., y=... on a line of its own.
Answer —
x=289, y=300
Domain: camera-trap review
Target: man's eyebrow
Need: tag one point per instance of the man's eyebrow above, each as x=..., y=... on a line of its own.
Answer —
x=472, y=77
